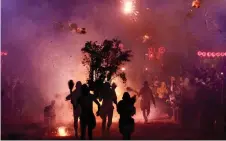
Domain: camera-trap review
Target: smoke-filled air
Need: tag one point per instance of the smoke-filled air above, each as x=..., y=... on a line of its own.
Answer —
x=44, y=54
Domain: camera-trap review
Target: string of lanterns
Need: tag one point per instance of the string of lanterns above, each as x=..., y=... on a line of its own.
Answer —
x=211, y=54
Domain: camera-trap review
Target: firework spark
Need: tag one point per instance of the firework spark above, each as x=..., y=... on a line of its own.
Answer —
x=129, y=8
x=146, y=37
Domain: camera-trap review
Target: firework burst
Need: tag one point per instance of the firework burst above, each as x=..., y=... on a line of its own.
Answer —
x=129, y=8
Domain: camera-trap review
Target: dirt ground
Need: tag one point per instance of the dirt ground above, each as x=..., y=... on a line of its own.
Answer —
x=155, y=130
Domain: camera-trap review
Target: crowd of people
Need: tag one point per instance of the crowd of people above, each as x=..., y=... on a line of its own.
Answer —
x=195, y=100
x=82, y=102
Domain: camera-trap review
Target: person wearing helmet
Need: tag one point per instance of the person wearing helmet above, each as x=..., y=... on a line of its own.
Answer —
x=146, y=97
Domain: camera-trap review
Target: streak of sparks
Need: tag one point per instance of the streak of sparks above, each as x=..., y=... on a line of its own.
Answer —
x=129, y=8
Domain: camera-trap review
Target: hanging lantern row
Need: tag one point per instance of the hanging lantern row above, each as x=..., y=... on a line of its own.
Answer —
x=211, y=54
x=4, y=53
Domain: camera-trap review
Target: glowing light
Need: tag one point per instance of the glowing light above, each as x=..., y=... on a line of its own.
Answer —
x=4, y=53
x=218, y=54
x=162, y=50
x=199, y=53
x=145, y=38
x=208, y=54
x=123, y=69
x=211, y=54
x=146, y=69
x=62, y=131
x=128, y=7
x=204, y=54
x=196, y=4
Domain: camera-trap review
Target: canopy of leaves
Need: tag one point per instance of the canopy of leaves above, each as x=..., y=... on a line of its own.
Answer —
x=104, y=60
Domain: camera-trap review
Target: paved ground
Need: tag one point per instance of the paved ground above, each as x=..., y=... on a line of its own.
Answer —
x=154, y=130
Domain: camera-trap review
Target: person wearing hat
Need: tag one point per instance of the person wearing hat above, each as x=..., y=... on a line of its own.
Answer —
x=146, y=97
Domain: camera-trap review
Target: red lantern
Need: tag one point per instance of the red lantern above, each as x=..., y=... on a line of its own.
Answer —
x=213, y=54
x=162, y=50
x=204, y=54
x=218, y=54
x=199, y=53
x=208, y=54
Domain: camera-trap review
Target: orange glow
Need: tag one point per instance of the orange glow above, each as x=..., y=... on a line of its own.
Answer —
x=62, y=131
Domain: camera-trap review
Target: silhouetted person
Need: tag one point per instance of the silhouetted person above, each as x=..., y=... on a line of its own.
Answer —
x=73, y=96
x=146, y=97
x=87, y=117
x=49, y=115
x=108, y=96
x=126, y=110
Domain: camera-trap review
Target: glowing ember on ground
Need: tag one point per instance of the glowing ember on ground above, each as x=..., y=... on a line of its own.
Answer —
x=62, y=131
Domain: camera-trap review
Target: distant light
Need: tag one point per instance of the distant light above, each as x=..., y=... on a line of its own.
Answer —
x=204, y=54
x=146, y=69
x=162, y=50
x=208, y=54
x=211, y=54
x=222, y=73
x=4, y=53
x=199, y=53
x=123, y=69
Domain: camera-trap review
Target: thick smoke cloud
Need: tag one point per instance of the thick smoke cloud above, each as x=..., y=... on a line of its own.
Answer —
x=46, y=59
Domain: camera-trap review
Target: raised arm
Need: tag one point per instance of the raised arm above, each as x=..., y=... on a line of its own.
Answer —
x=68, y=97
